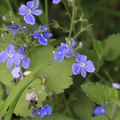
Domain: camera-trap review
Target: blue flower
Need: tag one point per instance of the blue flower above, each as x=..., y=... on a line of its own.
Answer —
x=99, y=110
x=47, y=110
x=82, y=66
x=25, y=61
x=64, y=52
x=42, y=36
x=15, y=29
x=29, y=10
x=116, y=85
x=73, y=42
x=10, y=55
x=42, y=111
x=34, y=113
x=17, y=73
x=56, y=1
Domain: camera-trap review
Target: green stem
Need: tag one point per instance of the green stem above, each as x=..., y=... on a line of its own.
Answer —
x=72, y=22
x=9, y=5
x=67, y=9
x=46, y=12
x=82, y=30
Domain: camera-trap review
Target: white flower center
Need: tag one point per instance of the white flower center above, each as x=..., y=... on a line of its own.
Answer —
x=82, y=64
x=10, y=55
x=21, y=56
x=29, y=11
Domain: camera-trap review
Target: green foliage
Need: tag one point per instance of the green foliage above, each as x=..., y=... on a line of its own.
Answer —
x=112, y=43
x=100, y=93
x=58, y=75
x=81, y=106
x=99, y=118
x=23, y=109
x=54, y=116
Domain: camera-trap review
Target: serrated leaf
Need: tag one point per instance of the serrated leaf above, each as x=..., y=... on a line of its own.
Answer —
x=100, y=93
x=112, y=43
x=58, y=75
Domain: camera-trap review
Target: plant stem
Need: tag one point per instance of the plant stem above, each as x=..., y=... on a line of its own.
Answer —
x=67, y=9
x=72, y=22
x=46, y=12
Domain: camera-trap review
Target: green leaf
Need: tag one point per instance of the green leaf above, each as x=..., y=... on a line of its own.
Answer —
x=100, y=93
x=16, y=92
x=99, y=118
x=82, y=106
x=22, y=109
x=5, y=75
x=112, y=43
x=51, y=117
x=58, y=75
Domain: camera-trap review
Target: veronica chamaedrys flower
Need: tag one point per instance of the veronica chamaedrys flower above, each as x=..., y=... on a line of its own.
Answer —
x=73, y=42
x=15, y=29
x=43, y=36
x=64, y=52
x=10, y=55
x=25, y=61
x=116, y=85
x=99, y=110
x=46, y=110
x=82, y=66
x=29, y=10
x=17, y=73
x=56, y=1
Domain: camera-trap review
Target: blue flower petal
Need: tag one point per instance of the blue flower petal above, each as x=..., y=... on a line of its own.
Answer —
x=16, y=59
x=16, y=72
x=37, y=12
x=40, y=112
x=81, y=58
x=43, y=28
x=29, y=19
x=30, y=5
x=3, y=56
x=83, y=72
x=56, y=1
x=89, y=67
x=75, y=69
x=10, y=48
x=26, y=62
x=48, y=110
x=47, y=35
x=9, y=62
x=100, y=110
x=73, y=42
x=59, y=55
x=42, y=41
x=21, y=50
x=23, y=10
x=34, y=113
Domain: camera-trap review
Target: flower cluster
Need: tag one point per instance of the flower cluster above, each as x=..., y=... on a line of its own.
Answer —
x=42, y=111
x=15, y=59
x=82, y=65
x=64, y=51
x=42, y=35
